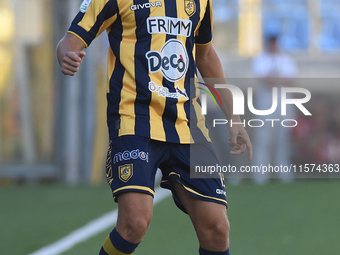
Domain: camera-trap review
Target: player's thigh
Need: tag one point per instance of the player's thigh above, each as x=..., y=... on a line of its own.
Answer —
x=203, y=214
x=134, y=204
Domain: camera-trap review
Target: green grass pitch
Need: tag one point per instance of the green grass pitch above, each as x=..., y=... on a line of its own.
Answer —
x=297, y=218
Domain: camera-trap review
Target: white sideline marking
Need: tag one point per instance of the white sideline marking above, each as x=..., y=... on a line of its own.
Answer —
x=91, y=229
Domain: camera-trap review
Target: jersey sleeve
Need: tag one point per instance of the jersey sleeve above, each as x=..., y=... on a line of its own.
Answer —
x=204, y=32
x=93, y=18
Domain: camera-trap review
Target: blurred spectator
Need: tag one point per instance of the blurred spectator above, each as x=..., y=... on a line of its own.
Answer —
x=273, y=69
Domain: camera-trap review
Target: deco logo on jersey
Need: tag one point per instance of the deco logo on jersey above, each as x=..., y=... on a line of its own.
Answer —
x=190, y=7
x=84, y=6
x=172, y=61
x=125, y=172
x=127, y=155
x=170, y=26
x=145, y=6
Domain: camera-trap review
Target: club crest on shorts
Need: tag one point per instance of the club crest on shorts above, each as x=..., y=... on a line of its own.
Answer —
x=125, y=172
x=190, y=7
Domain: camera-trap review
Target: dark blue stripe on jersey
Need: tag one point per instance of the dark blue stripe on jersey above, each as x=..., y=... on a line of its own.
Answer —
x=196, y=17
x=78, y=18
x=109, y=10
x=116, y=80
x=143, y=97
x=196, y=133
x=188, y=88
x=170, y=111
x=204, y=32
x=88, y=38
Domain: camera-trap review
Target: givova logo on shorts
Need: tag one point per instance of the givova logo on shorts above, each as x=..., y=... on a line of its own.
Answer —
x=172, y=60
x=127, y=155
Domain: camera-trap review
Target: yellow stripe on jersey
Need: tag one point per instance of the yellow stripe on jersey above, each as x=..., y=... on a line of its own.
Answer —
x=90, y=16
x=127, y=58
x=110, y=249
x=157, y=104
x=200, y=117
x=106, y=24
x=198, y=111
x=181, y=124
x=111, y=63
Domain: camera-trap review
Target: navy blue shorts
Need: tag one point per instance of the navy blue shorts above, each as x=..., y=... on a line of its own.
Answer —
x=132, y=163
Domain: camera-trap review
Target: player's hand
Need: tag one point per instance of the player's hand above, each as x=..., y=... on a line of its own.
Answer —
x=240, y=141
x=71, y=62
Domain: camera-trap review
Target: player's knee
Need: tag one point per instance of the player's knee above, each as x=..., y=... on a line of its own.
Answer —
x=221, y=229
x=135, y=229
x=215, y=235
x=217, y=231
x=140, y=225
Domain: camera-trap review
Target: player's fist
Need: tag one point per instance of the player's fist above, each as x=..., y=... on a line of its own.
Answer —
x=71, y=62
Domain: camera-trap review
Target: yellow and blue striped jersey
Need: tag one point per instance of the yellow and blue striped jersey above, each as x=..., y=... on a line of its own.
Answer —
x=150, y=64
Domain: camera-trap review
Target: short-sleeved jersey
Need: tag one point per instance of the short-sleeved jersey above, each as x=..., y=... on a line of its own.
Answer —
x=150, y=64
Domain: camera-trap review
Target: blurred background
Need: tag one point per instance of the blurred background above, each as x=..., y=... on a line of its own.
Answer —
x=53, y=128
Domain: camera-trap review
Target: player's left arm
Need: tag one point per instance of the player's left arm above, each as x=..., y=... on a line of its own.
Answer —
x=70, y=54
x=210, y=66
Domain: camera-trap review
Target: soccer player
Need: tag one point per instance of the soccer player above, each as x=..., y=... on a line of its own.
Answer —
x=155, y=47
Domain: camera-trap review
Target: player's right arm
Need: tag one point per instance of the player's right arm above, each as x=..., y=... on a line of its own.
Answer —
x=70, y=54
x=239, y=138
